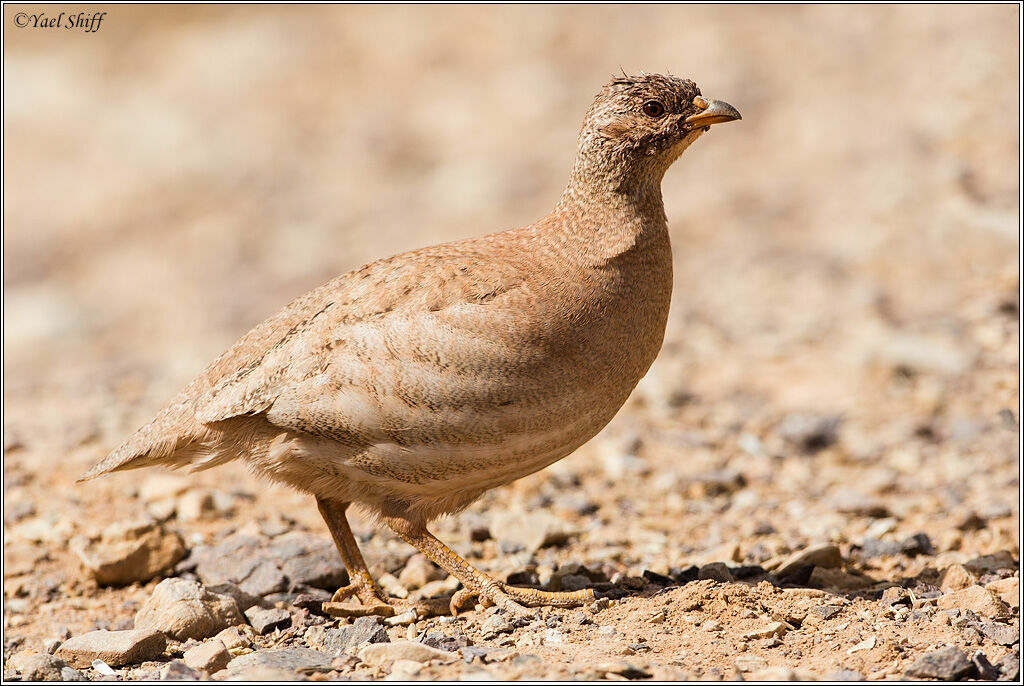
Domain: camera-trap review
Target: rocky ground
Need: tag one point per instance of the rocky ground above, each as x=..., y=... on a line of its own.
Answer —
x=819, y=478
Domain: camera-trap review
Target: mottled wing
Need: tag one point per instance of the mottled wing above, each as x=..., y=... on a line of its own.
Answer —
x=376, y=322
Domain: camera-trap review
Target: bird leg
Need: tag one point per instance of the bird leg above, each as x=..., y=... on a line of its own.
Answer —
x=475, y=583
x=361, y=584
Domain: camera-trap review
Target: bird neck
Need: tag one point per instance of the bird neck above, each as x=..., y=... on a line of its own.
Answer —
x=612, y=208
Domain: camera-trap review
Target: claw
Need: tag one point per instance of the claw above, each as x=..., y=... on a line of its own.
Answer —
x=344, y=593
x=373, y=601
x=460, y=600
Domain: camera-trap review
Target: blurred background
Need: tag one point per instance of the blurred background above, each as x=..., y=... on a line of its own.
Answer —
x=844, y=329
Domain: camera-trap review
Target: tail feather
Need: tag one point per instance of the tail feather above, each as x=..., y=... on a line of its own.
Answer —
x=161, y=442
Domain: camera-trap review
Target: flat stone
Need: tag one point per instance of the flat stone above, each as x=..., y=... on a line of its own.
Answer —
x=239, y=560
x=578, y=582
x=979, y=600
x=770, y=630
x=210, y=656
x=34, y=666
x=945, y=664
x=287, y=661
x=823, y=555
x=261, y=566
x=1002, y=634
x=185, y=609
x=405, y=619
x=378, y=654
x=912, y=546
x=126, y=553
x=309, y=560
x=348, y=639
x=116, y=648
x=266, y=620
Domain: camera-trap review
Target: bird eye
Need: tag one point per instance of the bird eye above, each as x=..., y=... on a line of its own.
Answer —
x=653, y=108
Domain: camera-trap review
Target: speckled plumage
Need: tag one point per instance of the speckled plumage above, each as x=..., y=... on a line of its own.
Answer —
x=412, y=385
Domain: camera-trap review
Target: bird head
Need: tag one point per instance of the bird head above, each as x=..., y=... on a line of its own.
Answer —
x=645, y=122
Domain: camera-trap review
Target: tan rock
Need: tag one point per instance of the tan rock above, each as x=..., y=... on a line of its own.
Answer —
x=977, y=599
x=767, y=631
x=823, y=555
x=35, y=666
x=1007, y=589
x=116, y=648
x=125, y=553
x=955, y=578
x=235, y=640
x=186, y=609
x=377, y=654
x=210, y=656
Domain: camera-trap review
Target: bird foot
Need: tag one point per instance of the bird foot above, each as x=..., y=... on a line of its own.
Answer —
x=517, y=601
x=531, y=597
x=373, y=601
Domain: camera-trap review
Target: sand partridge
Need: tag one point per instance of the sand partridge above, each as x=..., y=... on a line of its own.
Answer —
x=412, y=385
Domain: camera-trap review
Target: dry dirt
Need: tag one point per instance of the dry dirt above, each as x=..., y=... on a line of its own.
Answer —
x=841, y=365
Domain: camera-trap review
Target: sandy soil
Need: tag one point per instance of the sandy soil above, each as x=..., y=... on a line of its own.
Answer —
x=841, y=365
